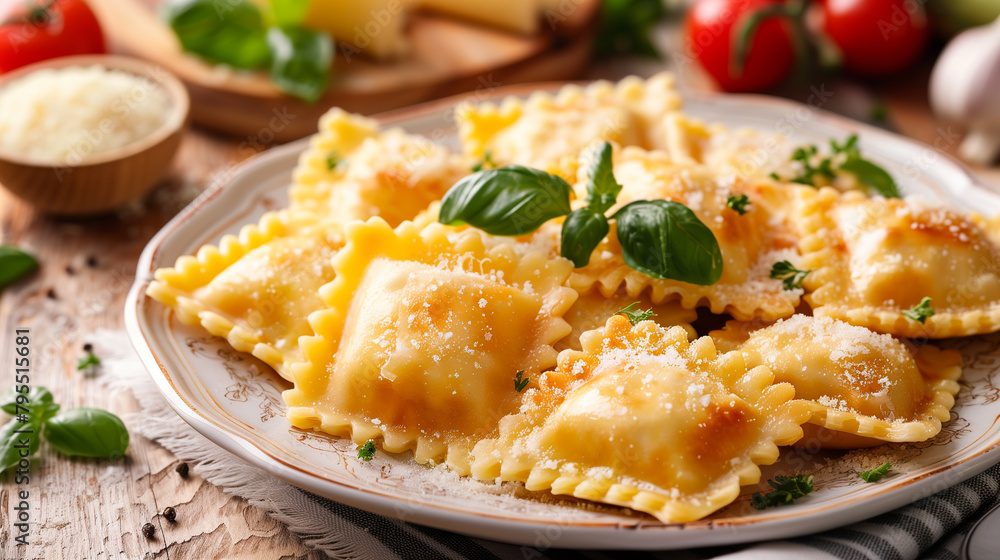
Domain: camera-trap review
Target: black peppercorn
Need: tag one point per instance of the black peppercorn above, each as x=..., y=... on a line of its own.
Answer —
x=148, y=530
x=170, y=514
x=88, y=347
x=182, y=469
x=91, y=262
x=51, y=294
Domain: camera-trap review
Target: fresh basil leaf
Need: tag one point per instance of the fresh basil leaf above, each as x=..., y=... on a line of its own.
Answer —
x=512, y=200
x=87, y=432
x=665, y=239
x=289, y=12
x=14, y=264
x=9, y=400
x=300, y=61
x=230, y=32
x=19, y=439
x=582, y=231
x=602, y=189
x=871, y=176
x=13, y=444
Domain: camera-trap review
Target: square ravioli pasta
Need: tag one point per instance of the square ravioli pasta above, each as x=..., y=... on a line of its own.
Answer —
x=875, y=259
x=751, y=242
x=353, y=171
x=256, y=289
x=549, y=132
x=422, y=337
x=863, y=388
x=642, y=418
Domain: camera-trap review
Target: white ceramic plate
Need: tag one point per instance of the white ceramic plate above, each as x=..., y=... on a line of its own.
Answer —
x=235, y=401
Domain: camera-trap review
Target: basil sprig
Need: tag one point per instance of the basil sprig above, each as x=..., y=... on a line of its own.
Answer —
x=665, y=239
x=510, y=201
x=660, y=238
x=582, y=232
x=87, y=432
x=844, y=157
x=21, y=435
x=237, y=33
x=11, y=399
x=14, y=264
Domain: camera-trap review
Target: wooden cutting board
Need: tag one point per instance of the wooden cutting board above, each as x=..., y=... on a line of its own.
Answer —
x=448, y=56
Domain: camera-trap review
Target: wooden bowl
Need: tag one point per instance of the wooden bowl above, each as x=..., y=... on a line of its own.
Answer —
x=107, y=179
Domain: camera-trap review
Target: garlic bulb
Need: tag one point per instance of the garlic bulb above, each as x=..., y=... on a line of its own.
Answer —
x=965, y=89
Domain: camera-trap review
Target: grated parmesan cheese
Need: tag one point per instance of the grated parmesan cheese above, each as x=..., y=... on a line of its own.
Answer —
x=65, y=115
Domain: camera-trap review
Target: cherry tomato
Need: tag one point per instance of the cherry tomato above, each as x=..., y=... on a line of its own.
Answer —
x=710, y=36
x=876, y=37
x=40, y=30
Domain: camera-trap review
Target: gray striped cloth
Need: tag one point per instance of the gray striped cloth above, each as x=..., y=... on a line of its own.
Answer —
x=930, y=529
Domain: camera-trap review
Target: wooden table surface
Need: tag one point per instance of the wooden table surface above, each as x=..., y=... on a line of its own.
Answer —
x=95, y=509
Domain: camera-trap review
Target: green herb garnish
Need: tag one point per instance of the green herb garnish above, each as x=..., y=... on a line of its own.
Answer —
x=877, y=473
x=585, y=227
x=660, y=238
x=844, y=157
x=14, y=264
x=635, y=315
x=512, y=200
x=665, y=239
x=367, y=451
x=88, y=361
x=787, y=489
x=920, y=312
x=333, y=160
x=738, y=203
x=790, y=276
x=485, y=163
x=804, y=156
x=520, y=382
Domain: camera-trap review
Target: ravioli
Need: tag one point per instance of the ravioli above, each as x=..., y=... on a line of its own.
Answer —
x=353, y=171
x=416, y=345
x=874, y=259
x=591, y=311
x=255, y=290
x=549, y=132
x=750, y=243
x=863, y=388
x=641, y=418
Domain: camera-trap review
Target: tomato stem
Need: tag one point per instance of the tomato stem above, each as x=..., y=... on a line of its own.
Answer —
x=743, y=34
x=37, y=15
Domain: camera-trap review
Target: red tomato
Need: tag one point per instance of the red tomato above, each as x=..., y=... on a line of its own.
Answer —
x=876, y=37
x=40, y=30
x=710, y=36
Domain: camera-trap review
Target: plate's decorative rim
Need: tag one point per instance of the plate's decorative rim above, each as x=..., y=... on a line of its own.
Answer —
x=501, y=526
